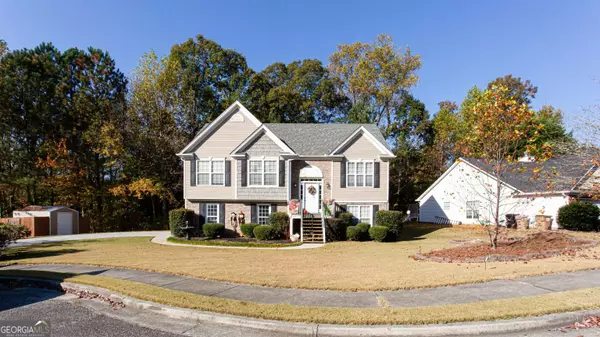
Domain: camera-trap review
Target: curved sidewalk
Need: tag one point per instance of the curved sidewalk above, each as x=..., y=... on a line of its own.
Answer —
x=467, y=293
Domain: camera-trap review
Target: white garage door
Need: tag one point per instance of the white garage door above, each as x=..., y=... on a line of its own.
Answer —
x=64, y=223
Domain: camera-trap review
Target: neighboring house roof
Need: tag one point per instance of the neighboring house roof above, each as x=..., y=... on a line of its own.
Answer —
x=320, y=139
x=564, y=173
x=558, y=174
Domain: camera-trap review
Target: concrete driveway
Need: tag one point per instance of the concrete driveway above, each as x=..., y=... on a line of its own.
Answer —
x=74, y=237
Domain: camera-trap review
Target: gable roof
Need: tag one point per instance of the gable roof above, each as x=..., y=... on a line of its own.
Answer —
x=320, y=139
x=263, y=130
x=301, y=139
x=208, y=128
x=558, y=174
x=564, y=173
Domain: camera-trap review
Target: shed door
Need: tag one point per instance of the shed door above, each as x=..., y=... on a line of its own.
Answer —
x=64, y=223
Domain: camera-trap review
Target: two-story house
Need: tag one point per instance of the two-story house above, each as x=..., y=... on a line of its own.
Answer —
x=236, y=164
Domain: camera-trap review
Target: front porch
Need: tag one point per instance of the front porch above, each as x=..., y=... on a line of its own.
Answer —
x=307, y=207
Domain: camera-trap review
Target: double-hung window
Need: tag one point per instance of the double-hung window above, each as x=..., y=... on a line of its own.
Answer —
x=361, y=212
x=262, y=172
x=264, y=211
x=359, y=174
x=210, y=172
x=212, y=213
x=472, y=209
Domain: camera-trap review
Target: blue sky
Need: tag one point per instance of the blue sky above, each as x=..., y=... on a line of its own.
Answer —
x=462, y=43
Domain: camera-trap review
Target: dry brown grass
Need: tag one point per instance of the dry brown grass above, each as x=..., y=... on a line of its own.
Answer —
x=346, y=266
x=583, y=299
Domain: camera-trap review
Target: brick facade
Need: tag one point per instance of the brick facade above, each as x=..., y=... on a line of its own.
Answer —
x=232, y=207
x=324, y=165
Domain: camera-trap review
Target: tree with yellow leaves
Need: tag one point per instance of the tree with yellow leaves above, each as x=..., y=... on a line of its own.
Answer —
x=497, y=124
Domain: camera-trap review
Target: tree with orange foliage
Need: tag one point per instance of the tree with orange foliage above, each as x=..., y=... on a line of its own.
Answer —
x=498, y=123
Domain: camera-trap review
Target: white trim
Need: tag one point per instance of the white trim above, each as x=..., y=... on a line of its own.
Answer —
x=331, y=183
x=381, y=147
x=584, y=176
x=438, y=180
x=301, y=192
x=218, y=210
x=233, y=108
x=289, y=180
x=364, y=173
x=371, y=216
x=262, y=159
x=375, y=201
x=488, y=174
x=259, y=132
x=210, y=172
x=458, y=161
x=258, y=213
x=234, y=177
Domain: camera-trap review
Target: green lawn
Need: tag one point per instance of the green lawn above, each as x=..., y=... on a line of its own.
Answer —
x=337, y=266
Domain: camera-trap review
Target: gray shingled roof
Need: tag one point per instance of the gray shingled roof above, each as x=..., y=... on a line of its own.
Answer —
x=557, y=174
x=318, y=139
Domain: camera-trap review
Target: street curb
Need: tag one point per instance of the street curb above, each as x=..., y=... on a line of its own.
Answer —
x=314, y=329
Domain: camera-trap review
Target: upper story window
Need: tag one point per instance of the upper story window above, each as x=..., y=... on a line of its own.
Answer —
x=210, y=172
x=262, y=172
x=359, y=174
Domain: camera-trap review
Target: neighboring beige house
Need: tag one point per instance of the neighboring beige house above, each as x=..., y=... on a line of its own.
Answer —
x=236, y=164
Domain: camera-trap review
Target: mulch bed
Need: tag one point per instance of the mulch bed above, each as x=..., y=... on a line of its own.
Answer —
x=534, y=246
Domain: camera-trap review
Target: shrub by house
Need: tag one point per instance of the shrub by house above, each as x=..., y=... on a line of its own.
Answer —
x=280, y=222
x=393, y=220
x=363, y=229
x=213, y=230
x=335, y=229
x=378, y=233
x=178, y=218
x=263, y=232
x=248, y=229
x=579, y=216
x=353, y=233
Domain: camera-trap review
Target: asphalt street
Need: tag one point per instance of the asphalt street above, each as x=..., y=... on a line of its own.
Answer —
x=70, y=316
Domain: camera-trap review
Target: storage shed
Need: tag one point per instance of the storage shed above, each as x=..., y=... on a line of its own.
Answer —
x=62, y=220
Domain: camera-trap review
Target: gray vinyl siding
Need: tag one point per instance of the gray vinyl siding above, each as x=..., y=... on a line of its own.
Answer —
x=261, y=147
x=260, y=193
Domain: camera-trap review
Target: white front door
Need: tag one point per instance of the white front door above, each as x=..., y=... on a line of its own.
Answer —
x=64, y=223
x=311, y=196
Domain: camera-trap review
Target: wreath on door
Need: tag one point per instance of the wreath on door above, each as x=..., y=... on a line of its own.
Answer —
x=312, y=190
